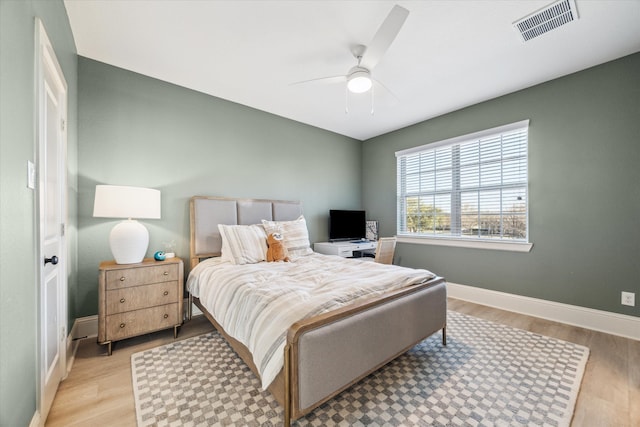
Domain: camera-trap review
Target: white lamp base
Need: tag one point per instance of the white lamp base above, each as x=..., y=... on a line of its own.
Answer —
x=129, y=241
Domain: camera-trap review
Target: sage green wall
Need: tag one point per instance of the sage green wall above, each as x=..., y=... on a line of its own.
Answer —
x=136, y=130
x=584, y=192
x=18, y=297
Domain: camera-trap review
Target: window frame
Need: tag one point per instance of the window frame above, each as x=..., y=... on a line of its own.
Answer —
x=519, y=245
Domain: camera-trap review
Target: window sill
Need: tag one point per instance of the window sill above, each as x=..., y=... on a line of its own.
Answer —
x=466, y=243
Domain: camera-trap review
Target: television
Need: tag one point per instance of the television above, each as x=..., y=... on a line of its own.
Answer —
x=347, y=225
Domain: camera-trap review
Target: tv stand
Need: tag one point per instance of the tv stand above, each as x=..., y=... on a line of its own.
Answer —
x=345, y=249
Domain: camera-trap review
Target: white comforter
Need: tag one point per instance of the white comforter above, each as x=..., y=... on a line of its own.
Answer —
x=257, y=303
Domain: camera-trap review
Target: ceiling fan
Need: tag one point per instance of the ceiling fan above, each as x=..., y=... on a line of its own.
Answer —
x=359, y=78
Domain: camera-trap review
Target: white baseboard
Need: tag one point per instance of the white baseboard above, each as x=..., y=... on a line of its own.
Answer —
x=589, y=318
x=35, y=421
x=85, y=327
x=72, y=348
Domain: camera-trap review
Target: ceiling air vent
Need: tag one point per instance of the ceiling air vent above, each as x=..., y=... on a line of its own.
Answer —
x=549, y=18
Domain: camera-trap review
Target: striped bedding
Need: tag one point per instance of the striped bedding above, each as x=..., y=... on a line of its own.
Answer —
x=257, y=303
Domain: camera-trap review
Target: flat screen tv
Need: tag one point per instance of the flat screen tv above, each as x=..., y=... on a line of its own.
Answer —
x=347, y=225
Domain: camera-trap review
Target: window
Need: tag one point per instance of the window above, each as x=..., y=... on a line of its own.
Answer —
x=473, y=187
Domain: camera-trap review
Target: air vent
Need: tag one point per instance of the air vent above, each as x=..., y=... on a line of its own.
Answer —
x=551, y=17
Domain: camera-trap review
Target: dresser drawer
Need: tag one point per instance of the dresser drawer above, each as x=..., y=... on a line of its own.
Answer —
x=117, y=279
x=136, y=297
x=133, y=323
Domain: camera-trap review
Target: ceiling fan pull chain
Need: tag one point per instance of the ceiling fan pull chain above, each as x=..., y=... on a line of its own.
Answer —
x=372, y=99
x=346, y=100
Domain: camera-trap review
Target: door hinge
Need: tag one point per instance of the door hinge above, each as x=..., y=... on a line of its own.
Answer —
x=62, y=124
x=62, y=229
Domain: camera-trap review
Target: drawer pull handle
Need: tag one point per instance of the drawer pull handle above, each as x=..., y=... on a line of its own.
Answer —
x=165, y=293
x=122, y=325
x=166, y=316
x=166, y=273
x=122, y=279
x=122, y=300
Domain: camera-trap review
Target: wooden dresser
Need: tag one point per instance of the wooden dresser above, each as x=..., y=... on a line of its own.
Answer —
x=136, y=299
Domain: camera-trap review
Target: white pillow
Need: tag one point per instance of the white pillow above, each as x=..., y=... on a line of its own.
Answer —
x=295, y=234
x=243, y=244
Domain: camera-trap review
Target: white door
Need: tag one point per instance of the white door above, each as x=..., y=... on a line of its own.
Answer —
x=52, y=212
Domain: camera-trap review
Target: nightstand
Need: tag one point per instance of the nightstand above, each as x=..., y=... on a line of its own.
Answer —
x=135, y=299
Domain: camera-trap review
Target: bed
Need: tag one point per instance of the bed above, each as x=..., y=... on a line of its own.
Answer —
x=320, y=352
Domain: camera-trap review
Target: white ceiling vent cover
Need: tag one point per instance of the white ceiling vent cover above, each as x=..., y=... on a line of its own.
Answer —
x=549, y=18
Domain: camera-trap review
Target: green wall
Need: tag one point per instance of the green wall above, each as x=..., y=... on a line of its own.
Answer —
x=584, y=192
x=128, y=129
x=136, y=130
x=18, y=297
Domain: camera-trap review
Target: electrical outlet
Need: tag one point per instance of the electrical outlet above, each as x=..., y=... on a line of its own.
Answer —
x=628, y=298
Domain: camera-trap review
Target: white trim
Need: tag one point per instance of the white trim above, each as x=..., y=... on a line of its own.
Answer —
x=411, y=171
x=589, y=318
x=49, y=77
x=499, y=245
x=85, y=327
x=36, y=421
x=470, y=136
x=72, y=348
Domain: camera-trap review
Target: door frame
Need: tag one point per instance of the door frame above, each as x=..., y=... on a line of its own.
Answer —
x=46, y=61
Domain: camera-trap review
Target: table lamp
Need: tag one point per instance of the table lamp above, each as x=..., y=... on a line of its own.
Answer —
x=129, y=239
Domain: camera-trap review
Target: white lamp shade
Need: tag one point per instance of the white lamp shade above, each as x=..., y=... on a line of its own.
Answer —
x=116, y=201
x=129, y=239
x=359, y=82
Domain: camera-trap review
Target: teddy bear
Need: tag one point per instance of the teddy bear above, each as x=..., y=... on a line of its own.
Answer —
x=276, y=251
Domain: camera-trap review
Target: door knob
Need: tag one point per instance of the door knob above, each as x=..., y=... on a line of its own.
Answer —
x=53, y=260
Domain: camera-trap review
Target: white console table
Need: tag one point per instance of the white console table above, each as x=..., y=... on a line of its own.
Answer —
x=344, y=249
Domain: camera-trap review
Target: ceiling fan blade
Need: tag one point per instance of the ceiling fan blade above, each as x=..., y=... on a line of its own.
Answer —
x=384, y=37
x=328, y=80
x=387, y=90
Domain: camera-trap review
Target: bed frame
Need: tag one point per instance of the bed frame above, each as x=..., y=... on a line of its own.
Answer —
x=325, y=354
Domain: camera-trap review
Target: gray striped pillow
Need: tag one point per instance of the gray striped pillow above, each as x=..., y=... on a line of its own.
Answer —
x=294, y=233
x=243, y=244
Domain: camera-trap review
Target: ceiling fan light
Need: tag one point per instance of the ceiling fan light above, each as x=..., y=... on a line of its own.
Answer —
x=359, y=82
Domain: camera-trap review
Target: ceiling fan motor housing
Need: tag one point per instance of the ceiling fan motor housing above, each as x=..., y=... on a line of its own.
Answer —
x=359, y=80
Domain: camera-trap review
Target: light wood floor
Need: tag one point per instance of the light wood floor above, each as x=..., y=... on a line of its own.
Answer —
x=98, y=390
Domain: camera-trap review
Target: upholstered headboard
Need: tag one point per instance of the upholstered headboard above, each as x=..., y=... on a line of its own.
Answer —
x=207, y=212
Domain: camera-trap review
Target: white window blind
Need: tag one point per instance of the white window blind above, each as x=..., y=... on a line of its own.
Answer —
x=469, y=187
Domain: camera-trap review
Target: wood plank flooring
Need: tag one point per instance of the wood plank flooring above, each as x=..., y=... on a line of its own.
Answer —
x=610, y=390
x=98, y=390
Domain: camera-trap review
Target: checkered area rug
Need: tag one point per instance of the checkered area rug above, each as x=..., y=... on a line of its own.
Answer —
x=487, y=375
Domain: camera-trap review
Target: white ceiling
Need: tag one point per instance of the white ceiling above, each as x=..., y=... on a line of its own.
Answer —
x=448, y=55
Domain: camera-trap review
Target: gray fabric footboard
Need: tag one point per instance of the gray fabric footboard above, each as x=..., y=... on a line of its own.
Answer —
x=334, y=355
